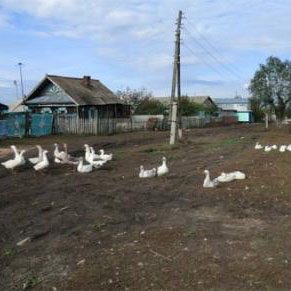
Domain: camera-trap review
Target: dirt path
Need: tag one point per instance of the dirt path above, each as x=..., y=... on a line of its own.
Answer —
x=110, y=230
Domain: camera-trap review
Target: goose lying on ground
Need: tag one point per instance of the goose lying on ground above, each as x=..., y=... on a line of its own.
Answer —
x=105, y=157
x=274, y=147
x=225, y=177
x=268, y=148
x=147, y=173
x=258, y=146
x=282, y=148
x=43, y=164
x=238, y=175
x=38, y=159
x=16, y=162
x=84, y=168
x=207, y=181
x=289, y=148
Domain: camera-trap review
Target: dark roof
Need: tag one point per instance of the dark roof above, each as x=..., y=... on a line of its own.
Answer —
x=3, y=107
x=196, y=99
x=94, y=94
x=231, y=100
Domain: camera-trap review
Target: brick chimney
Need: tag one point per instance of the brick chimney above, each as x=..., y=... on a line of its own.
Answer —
x=86, y=81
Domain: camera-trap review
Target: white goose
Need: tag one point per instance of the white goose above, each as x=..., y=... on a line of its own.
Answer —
x=289, y=148
x=87, y=153
x=15, y=150
x=39, y=158
x=238, y=175
x=274, y=147
x=59, y=156
x=258, y=146
x=147, y=173
x=268, y=148
x=16, y=162
x=207, y=181
x=105, y=157
x=84, y=168
x=282, y=148
x=225, y=177
x=163, y=169
x=94, y=156
x=44, y=163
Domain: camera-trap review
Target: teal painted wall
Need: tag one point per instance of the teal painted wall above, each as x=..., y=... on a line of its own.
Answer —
x=244, y=116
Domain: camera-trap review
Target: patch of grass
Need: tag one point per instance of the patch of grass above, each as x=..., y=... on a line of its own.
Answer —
x=195, y=233
x=31, y=281
x=97, y=226
x=8, y=252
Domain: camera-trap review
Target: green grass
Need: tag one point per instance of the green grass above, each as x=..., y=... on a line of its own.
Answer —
x=8, y=252
x=31, y=281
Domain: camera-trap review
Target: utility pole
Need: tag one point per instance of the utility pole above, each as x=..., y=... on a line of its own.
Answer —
x=21, y=79
x=176, y=82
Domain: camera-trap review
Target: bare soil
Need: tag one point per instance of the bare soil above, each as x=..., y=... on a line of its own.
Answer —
x=110, y=230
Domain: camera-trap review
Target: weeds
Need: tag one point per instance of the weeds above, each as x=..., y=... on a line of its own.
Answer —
x=31, y=281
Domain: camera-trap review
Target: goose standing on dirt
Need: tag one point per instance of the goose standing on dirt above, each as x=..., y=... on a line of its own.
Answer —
x=87, y=153
x=59, y=156
x=207, y=181
x=43, y=164
x=258, y=146
x=84, y=168
x=163, y=169
x=16, y=162
x=40, y=156
x=94, y=156
x=147, y=173
x=15, y=150
x=105, y=157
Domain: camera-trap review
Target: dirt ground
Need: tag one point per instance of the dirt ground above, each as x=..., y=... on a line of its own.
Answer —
x=110, y=230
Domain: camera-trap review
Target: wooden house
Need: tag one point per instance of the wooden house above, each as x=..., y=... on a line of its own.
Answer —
x=83, y=96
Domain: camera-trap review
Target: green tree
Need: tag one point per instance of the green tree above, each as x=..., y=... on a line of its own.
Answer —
x=271, y=86
x=257, y=109
x=151, y=107
x=134, y=97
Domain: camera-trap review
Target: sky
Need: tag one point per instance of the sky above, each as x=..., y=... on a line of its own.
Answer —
x=130, y=43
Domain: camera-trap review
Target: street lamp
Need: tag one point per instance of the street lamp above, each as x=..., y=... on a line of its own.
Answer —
x=20, y=71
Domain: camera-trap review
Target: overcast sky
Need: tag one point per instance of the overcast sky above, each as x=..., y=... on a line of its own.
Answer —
x=131, y=42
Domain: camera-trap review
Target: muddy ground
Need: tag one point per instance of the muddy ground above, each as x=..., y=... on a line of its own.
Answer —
x=110, y=230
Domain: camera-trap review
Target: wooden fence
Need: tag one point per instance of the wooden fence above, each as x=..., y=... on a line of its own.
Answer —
x=71, y=124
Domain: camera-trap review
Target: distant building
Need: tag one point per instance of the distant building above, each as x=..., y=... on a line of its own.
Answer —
x=17, y=106
x=83, y=96
x=239, y=105
x=3, y=108
x=203, y=100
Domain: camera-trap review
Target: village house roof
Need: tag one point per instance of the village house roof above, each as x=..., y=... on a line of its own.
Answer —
x=78, y=91
x=206, y=100
x=231, y=101
x=3, y=107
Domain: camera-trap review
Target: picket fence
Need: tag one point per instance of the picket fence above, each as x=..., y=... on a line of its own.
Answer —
x=72, y=124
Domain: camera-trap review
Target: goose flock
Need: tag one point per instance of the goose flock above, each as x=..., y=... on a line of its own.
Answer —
x=162, y=170
x=41, y=162
x=222, y=178
x=268, y=148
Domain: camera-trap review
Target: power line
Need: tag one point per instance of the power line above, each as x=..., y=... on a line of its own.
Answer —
x=211, y=55
x=204, y=61
x=210, y=45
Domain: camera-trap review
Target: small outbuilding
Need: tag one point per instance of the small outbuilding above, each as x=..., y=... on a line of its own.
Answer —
x=83, y=96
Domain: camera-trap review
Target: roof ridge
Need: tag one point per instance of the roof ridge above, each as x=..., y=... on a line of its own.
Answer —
x=67, y=77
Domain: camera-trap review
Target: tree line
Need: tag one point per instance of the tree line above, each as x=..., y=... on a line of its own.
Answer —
x=142, y=102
